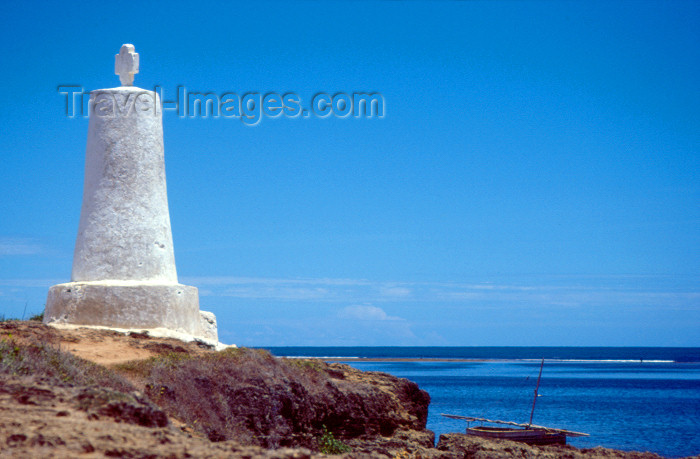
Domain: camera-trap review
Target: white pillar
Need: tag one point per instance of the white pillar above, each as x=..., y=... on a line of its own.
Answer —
x=124, y=272
x=124, y=231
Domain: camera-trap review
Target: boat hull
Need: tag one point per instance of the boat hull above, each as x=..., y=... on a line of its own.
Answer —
x=529, y=436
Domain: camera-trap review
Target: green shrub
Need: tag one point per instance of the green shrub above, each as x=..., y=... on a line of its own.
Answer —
x=10, y=360
x=307, y=365
x=38, y=317
x=328, y=444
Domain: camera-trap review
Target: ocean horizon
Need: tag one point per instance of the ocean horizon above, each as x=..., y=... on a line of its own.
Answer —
x=628, y=398
x=584, y=353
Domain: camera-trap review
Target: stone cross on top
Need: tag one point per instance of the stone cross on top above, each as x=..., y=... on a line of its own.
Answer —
x=126, y=64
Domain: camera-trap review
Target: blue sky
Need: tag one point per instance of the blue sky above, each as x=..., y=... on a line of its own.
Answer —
x=534, y=181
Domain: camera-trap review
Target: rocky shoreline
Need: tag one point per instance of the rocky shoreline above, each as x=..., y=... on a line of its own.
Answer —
x=98, y=393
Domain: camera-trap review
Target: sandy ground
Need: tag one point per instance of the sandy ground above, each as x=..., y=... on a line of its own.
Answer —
x=103, y=346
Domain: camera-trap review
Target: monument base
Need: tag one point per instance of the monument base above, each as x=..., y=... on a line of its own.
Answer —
x=130, y=305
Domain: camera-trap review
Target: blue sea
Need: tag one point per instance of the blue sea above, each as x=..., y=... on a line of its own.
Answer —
x=631, y=398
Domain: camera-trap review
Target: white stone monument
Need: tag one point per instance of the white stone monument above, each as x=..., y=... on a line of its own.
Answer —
x=124, y=265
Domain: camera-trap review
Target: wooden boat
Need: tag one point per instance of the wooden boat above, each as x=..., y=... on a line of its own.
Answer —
x=529, y=436
x=524, y=433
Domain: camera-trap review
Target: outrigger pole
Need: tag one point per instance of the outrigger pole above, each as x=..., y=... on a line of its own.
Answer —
x=534, y=400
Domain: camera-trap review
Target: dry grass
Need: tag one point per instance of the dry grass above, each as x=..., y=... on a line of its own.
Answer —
x=44, y=362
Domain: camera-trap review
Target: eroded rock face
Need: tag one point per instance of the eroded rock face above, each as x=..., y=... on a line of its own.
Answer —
x=258, y=399
x=131, y=408
x=361, y=404
x=45, y=420
x=402, y=444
